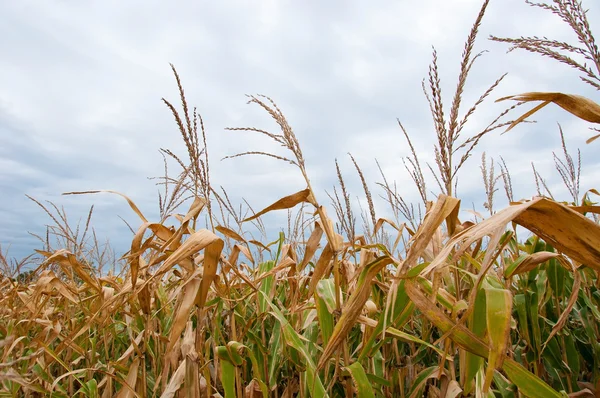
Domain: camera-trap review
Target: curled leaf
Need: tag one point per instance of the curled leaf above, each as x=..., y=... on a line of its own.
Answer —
x=582, y=107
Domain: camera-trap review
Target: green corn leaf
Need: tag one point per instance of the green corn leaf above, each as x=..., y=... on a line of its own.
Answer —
x=421, y=379
x=498, y=315
x=291, y=337
x=227, y=375
x=361, y=382
x=477, y=325
x=528, y=384
x=266, y=286
x=325, y=303
x=533, y=315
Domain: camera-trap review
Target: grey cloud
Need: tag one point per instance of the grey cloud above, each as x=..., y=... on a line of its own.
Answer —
x=81, y=87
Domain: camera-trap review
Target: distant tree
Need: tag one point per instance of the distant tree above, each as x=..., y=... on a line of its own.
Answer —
x=26, y=277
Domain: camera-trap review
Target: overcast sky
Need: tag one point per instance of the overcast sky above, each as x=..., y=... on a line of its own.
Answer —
x=81, y=86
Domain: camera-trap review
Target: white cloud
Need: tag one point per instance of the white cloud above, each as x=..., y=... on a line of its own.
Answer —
x=81, y=86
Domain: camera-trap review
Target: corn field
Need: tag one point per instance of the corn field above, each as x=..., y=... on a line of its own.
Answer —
x=418, y=305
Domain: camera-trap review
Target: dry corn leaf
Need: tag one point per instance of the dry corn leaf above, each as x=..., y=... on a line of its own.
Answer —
x=335, y=240
x=452, y=221
x=176, y=381
x=231, y=261
x=564, y=316
x=11, y=375
x=212, y=253
x=435, y=216
x=195, y=208
x=592, y=139
x=285, y=203
x=586, y=209
x=229, y=233
x=182, y=311
x=48, y=281
x=444, y=208
x=285, y=263
x=253, y=390
x=582, y=107
x=567, y=230
x=132, y=347
x=128, y=389
x=68, y=260
x=26, y=299
x=311, y=246
x=529, y=262
x=161, y=231
x=399, y=229
x=422, y=378
x=246, y=252
x=202, y=239
x=320, y=268
x=380, y=223
x=136, y=252
x=131, y=204
x=353, y=307
x=260, y=245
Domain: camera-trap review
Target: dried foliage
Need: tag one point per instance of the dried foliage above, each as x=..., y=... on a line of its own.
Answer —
x=583, y=57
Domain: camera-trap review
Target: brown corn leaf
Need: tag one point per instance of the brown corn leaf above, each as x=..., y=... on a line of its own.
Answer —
x=586, y=209
x=176, y=380
x=128, y=389
x=443, y=208
x=48, y=281
x=459, y=333
x=399, y=229
x=12, y=376
x=440, y=211
x=212, y=254
x=320, y=268
x=253, y=390
x=244, y=250
x=592, y=139
x=182, y=312
x=202, y=239
x=136, y=252
x=353, y=308
x=423, y=377
x=380, y=223
x=131, y=204
x=285, y=203
x=452, y=221
x=195, y=208
x=570, y=304
x=311, y=246
x=230, y=233
x=285, y=262
x=531, y=262
x=582, y=107
x=567, y=230
x=26, y=299
x=259, y=244
x=233, y=257
x=335, y=240
x=161, y=231
x=132, y=347
x=67, y=259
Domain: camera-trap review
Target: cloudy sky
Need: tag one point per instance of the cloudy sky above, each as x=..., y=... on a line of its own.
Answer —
x=81, y=88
